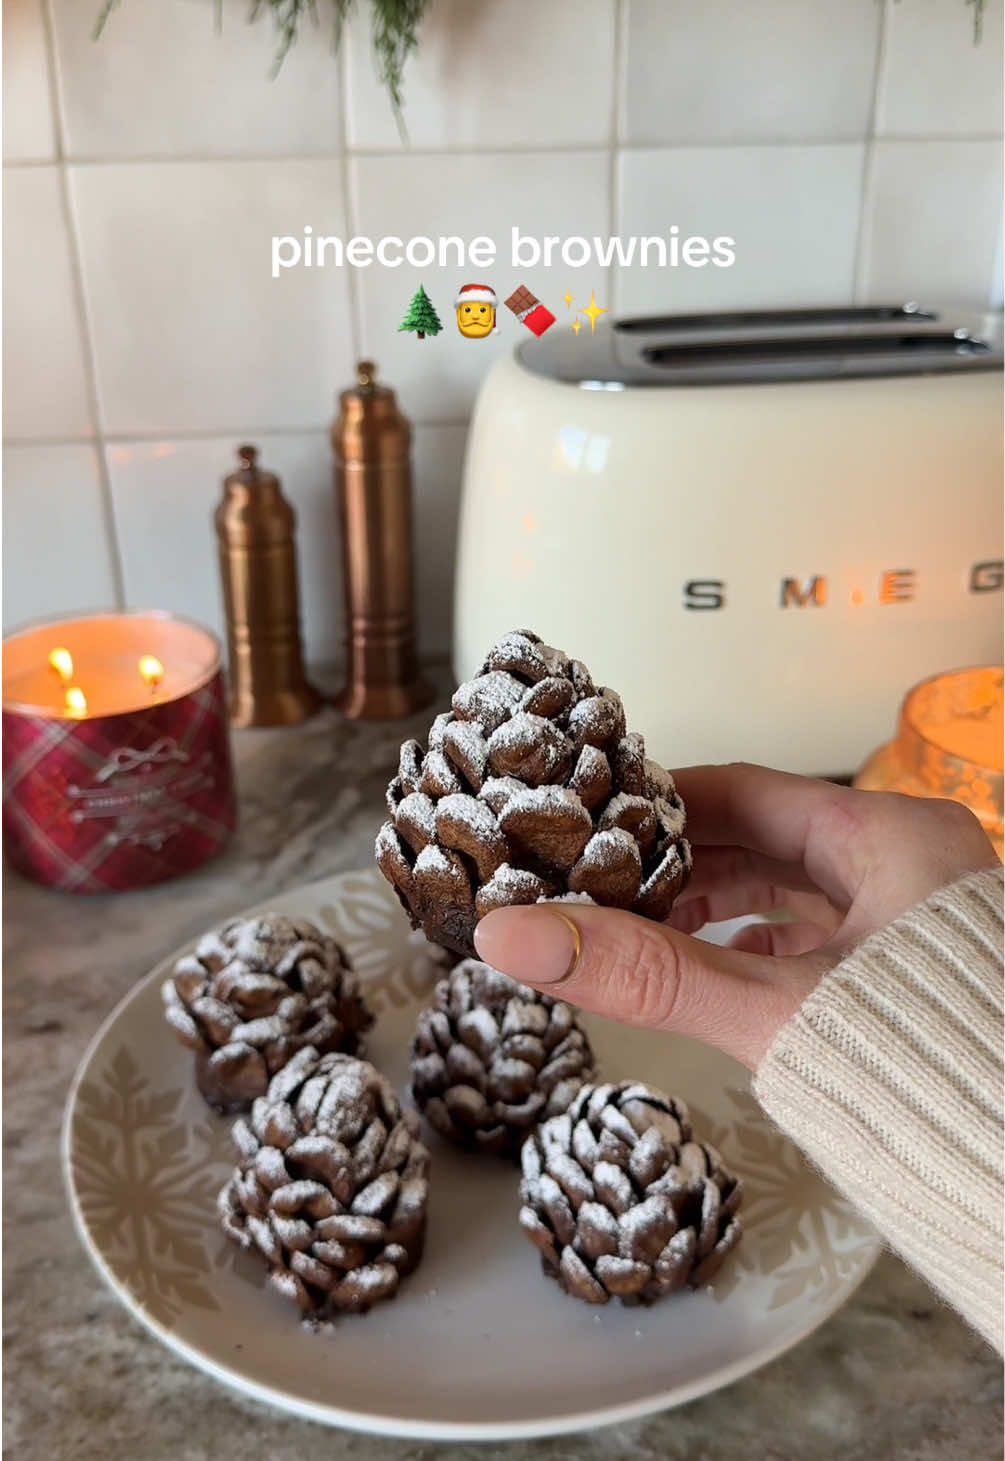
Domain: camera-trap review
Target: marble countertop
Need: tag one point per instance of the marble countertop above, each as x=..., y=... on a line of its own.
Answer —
x=893, y=1375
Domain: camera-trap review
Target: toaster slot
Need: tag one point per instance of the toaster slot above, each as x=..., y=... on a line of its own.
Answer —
x=798, y=351
x=756, y=346
x=768, y=319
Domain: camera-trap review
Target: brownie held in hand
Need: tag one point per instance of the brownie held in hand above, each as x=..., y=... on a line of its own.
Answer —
x=530, y=788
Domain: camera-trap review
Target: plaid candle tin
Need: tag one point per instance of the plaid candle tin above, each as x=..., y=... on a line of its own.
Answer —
x=115, y=775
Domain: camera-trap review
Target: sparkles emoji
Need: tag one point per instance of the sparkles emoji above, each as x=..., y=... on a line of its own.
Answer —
x=593, y=312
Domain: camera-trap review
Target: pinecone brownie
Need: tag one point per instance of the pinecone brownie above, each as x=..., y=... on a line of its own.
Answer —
x=622, y=1200
x=331, y=1186
x=530, y=788
x=491, y=1059
x=255, y=992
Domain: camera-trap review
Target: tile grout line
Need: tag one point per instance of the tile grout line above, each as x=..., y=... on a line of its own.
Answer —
x=83, y=317
x=617, y=93
x=849, y=139
x=613, y=164
x=864, y=230
x=348, y=201
x=154, y=438
x=55, y=116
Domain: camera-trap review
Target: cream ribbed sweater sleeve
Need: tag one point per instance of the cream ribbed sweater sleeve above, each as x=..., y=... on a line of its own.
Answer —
x=890, y=1078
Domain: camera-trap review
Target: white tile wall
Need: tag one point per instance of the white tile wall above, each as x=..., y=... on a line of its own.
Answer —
x=852, y=149
x=57, y=556
x=165, y=493
x=191, y=332
x=164, y=81
x=29, y=134
x=784, y=253
x=45, y=387
x=935, y=80
x=941, y=238
x=728, y=72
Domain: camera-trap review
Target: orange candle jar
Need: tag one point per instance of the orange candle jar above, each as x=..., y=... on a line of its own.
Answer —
x=116, y=751
x=949, y=743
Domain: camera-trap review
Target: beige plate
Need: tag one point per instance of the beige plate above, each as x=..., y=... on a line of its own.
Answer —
x=478, y=1344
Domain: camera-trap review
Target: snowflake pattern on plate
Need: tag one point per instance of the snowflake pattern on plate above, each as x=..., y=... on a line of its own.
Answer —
x=398, y=966
x=801, y=1235
x=147, y=1185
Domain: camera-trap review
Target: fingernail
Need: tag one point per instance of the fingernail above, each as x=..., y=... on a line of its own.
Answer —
x=537, y=945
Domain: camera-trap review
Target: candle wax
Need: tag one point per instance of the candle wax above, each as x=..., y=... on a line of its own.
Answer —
x=973, y=738
x=106, y=651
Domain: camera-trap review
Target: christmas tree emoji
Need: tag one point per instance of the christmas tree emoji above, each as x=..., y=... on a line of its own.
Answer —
x=421, y=317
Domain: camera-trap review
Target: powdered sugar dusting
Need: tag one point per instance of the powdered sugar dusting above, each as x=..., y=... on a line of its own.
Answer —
x=611, y=849
x=550, y=800
x=420, y=810
x=433, y=859
x=489, y=699
x=510, y=884
x=437, y=730
x=469, y=812
x=498, y=790
x=465, y=744
x=671, y=817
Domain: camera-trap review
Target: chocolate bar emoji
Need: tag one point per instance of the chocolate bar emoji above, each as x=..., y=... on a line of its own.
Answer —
x=530, y=311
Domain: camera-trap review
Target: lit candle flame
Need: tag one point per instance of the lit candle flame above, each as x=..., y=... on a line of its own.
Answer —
x=76, y=702
x=61, y=660
x=151, y=670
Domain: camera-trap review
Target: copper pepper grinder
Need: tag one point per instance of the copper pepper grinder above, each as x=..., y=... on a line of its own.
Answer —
x=373, y=489
x=255, y=530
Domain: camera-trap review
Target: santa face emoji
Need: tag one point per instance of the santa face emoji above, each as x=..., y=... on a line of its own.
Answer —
x=476, y=311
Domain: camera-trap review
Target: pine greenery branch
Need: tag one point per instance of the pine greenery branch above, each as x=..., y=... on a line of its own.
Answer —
x=978, y=6
x=394, y=31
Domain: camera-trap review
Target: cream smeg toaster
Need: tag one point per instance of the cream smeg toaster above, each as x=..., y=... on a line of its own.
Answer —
x=760, y=528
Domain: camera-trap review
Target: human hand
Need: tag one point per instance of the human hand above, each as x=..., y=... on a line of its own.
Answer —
x=844, y=862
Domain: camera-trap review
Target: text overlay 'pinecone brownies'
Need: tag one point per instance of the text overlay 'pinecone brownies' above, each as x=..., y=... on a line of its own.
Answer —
x=531, y=788
x=491, y=1059
x=623, y=1201
x=255, y=992
x=332, y=1185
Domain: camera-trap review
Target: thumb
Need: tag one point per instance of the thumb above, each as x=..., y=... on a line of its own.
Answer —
x=644, y=973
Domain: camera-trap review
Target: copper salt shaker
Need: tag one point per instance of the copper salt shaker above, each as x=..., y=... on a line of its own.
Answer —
x=373, y=489
x=255, y=530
